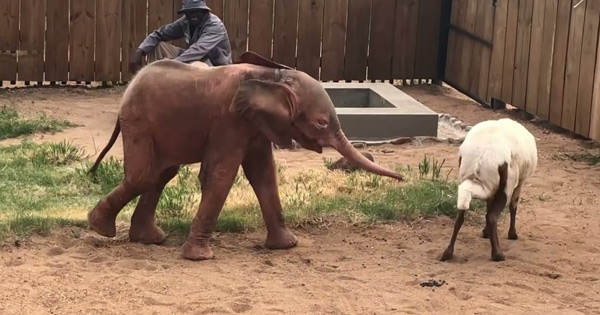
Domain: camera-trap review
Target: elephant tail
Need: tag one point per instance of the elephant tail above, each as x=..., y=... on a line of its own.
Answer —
x=109, y=145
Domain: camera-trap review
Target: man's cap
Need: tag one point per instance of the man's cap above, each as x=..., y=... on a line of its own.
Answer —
x=192, y=5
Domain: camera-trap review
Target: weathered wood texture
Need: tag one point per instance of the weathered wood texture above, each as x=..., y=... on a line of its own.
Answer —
x=331, y=40
x=544, y=58
x=9, y=39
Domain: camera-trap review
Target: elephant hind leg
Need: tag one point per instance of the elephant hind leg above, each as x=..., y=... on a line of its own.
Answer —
x=143, y=224
x=140, y=174
x=102, y=218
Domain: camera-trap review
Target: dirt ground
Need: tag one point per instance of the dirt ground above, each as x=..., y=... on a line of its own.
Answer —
x=554, y=267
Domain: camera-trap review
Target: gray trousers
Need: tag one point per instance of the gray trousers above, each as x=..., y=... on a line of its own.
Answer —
x=165, y=50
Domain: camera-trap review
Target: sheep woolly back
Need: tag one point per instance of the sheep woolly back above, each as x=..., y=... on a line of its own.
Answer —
x=488, y=145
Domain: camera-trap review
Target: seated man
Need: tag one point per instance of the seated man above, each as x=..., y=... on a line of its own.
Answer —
x=204, y=33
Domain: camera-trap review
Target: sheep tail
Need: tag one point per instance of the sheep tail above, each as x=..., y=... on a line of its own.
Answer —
x=467, y=190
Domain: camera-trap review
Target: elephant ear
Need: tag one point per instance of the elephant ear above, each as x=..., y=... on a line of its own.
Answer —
x=269, y=106
x=256, y=59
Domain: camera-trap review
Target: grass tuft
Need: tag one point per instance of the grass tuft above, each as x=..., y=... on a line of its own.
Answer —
x=587, y=157
x=12, y=125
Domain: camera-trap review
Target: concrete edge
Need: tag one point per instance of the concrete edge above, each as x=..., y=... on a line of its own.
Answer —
x=419, y=140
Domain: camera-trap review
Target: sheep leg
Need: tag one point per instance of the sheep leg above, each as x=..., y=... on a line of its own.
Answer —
x=485, y=233
x=449, y=252
x=491, y=218
x=494, y=208
x=512, y=231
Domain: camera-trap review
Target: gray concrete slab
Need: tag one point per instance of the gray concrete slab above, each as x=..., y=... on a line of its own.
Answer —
x=380, y=111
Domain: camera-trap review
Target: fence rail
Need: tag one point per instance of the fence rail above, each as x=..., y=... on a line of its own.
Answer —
x=91, y=40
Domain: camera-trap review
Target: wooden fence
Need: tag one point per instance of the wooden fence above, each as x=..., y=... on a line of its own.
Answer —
x=91, y=40
x=541, y=56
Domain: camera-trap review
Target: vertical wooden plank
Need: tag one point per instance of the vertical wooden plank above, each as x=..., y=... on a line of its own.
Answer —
x=573, y=66
x=559, y=60
x=546, y=66
x=497, y=58
x=405, y=39
x=160, y=12
x=109, y=26
x=9, y=39
x=216, y=6
x=310, y=21
x=588, y=64
x=236, y=22
x=284, y=37
x=357, y=39
x=381, y=40
x=176, y=7
x=428, y=39
x=510, y=51
x=454, y=47
x=334, y=32
x=486, y=53
x=477, y=57
x=134, y=32
x=522, y=53
x=81, y=43
x=595, y=111
x=260, y=36
x=57, y=41
x=535, y=51
x=31, y=50
x=468, y=23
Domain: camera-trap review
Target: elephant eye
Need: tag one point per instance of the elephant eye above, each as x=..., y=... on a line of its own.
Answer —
x=322, y=124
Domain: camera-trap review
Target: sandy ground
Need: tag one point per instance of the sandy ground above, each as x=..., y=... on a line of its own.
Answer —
x=554, y=267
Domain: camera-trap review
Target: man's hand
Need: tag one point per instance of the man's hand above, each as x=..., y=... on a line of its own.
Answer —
x=135, y=62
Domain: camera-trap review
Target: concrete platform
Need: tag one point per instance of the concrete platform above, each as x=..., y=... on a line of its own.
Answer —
x=380, y=111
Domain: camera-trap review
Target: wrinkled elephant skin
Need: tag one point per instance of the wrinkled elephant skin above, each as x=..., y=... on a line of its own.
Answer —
x=224, y=117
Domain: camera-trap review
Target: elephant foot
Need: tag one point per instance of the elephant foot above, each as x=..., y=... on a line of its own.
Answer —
x=102, y=223
x=196, y=252
x=282, y=239
x=147, y=234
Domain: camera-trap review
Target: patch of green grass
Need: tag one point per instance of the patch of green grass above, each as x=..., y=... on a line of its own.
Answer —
x=46, y=186
x=328, y=162
x=12, y=125
x=586, y=157
x=24, y=225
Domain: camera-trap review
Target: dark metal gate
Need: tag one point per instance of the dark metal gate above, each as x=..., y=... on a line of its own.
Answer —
x=469, y=49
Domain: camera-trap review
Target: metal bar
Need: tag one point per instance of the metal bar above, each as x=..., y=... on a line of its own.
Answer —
x=469, y=34
x=443, y=40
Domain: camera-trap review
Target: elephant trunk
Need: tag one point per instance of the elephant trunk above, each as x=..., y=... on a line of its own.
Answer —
x=345, y=148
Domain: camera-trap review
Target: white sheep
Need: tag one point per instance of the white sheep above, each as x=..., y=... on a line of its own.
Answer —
x=496, y=158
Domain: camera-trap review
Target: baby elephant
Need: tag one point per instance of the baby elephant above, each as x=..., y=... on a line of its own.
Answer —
x=496, y=158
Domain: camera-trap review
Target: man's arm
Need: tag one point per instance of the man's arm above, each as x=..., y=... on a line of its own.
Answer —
x=167, y=32
x=211, y=36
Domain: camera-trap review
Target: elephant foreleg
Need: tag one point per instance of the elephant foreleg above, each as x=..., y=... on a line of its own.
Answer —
x=143, y=225
x=220, y=174
x=259, y=167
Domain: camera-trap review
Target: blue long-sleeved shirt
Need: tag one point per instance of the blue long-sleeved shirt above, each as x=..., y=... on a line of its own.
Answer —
x=209, y=41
